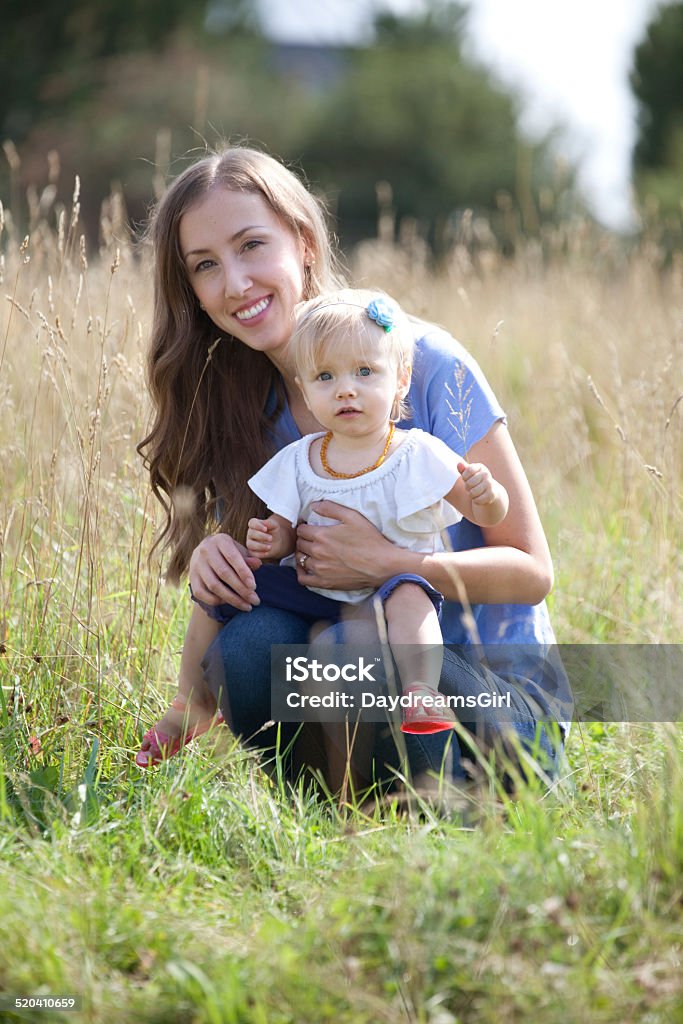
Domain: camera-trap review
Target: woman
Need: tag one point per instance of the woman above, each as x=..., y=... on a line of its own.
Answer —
x=238, y=242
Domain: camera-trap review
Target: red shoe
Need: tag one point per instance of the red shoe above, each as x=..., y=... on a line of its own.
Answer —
x=160, y=747
x=422, y=716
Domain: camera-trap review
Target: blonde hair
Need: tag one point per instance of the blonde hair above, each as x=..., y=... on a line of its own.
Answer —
x=341, y=319
x=211, y=393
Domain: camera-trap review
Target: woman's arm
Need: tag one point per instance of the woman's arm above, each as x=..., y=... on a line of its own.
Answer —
x=220, y=568
x=514, y=567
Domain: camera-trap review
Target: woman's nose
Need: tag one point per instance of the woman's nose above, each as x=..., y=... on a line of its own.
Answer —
x=237, y=281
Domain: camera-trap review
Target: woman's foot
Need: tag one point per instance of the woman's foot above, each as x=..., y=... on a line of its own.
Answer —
x=183, y=722
x=424, y=713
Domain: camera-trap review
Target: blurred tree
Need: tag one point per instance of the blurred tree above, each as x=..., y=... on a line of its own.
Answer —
x=657, y=82
x=151, y=113
x=441, y=19
x=127, y=94
x=104, y=84
x=415, y=113
x=49, y=51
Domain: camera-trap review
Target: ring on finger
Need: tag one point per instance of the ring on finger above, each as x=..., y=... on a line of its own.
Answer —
x=302, y=561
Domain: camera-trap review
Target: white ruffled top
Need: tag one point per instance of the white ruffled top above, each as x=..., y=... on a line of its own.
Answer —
x=403, y=497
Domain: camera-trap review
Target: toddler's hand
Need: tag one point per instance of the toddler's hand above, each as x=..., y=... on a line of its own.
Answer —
x=480, y=485
x=260, y=536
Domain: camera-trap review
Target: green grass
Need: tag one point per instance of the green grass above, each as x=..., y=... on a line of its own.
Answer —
x=204, y=892
x=207, y=891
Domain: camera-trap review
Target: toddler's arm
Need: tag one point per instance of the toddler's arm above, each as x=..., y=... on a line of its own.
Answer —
x=270, y=539
x=479, y=497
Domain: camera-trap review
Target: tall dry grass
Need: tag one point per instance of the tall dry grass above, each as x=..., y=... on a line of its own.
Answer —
x=579, y=334
x=78, y=598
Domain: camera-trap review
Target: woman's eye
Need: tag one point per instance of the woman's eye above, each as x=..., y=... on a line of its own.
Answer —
x=203, y=265
x=252, y=244
x=364, y=371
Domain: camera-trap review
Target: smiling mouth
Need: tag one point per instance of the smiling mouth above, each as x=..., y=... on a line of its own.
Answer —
x=252, y=311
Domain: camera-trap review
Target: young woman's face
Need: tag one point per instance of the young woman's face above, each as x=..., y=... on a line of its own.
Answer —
x=245, y=266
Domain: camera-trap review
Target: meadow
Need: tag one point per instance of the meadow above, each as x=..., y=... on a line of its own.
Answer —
x=206, y=891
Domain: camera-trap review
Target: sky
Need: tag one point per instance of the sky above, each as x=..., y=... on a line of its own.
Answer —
x=568, y=59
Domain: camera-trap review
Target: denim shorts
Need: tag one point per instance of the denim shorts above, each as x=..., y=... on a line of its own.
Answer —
x=278, y=587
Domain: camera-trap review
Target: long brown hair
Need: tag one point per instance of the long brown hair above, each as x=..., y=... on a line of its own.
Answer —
x=210, y=391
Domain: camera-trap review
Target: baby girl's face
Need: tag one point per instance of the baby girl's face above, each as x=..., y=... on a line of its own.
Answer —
x=351, y=395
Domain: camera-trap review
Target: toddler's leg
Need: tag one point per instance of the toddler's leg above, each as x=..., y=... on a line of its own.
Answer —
x=417, y=646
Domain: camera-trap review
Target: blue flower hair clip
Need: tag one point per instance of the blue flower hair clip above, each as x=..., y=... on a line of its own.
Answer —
x=382, y=312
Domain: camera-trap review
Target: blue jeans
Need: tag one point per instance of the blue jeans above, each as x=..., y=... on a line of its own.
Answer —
x=237, y=668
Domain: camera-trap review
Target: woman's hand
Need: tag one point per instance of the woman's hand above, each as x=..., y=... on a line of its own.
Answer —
x=221, y=573
x=346, y=556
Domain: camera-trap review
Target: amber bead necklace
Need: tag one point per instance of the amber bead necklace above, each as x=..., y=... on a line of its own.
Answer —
x=361, y=472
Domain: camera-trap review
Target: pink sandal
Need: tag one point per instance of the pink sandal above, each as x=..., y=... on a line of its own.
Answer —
x=423, y=716
x=161, y=746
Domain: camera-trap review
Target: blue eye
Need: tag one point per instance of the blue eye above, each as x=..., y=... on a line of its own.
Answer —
x=325, y=375
x=203, y=265
x=364, y=371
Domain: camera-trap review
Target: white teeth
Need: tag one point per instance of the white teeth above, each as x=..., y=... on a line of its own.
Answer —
x=249, y=314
